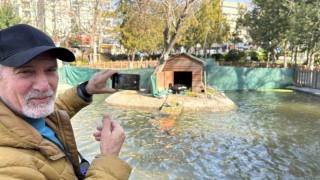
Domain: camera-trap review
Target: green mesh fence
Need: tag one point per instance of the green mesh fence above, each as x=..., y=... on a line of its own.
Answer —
x=73, y=75
x=76, y=75
x=218, y=77
x=239, y=78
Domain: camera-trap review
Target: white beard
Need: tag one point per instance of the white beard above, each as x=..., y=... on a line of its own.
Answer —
x=35, y=111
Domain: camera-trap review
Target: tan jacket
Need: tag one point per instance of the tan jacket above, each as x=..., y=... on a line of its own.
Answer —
x=24, y=154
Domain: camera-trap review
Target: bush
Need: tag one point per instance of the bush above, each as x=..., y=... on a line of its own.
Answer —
x=117, y=57
x=235, y=55
x=316, y=62
x=217, y=56
x=262, y=57
x=79, y=60
x=254, y=55
x=153, y=56
x=109, y=56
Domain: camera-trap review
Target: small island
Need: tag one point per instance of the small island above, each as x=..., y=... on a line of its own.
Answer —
x=195, y=102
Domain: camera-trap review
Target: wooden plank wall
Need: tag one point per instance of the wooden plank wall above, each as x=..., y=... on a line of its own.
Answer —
x=185, y=64
x=160, y=85
x=163, y=79
x=118, y=64
x=196, y=80
x=306, y=77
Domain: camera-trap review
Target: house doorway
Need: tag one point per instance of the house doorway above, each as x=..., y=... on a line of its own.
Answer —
x=183, y=78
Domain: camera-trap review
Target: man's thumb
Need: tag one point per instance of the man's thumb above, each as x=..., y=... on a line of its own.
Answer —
x=106, y=122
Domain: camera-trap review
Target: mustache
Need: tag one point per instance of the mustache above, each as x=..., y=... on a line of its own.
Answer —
x=37, y=94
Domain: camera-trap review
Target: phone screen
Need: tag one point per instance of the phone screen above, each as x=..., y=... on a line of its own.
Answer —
x=126, y=81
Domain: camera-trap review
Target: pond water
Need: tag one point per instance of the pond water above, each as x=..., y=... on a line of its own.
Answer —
x=271, y=135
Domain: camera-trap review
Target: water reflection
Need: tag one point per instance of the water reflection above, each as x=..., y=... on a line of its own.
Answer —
x=270, y=136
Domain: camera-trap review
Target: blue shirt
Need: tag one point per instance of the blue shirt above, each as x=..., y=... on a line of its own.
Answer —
x=40, y=126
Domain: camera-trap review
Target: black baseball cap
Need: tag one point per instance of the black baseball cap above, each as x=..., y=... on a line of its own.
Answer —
x=20, y=43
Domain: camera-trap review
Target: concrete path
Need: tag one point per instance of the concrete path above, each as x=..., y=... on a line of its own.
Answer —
x=306, y=90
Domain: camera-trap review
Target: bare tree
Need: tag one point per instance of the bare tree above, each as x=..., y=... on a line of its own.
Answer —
x=174, y=22
x=91, y=15
x=171, y=14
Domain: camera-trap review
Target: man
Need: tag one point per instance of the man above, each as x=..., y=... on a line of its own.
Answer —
x=36, y=137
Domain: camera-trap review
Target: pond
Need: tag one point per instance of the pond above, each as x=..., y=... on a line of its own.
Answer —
x=271, y=135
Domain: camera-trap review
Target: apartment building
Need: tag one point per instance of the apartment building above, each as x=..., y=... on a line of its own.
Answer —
x=231, y=11
x=26, y=9
x=62, y=19
x=51, y=16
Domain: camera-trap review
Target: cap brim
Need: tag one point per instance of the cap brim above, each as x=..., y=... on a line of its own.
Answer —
x=25, y=56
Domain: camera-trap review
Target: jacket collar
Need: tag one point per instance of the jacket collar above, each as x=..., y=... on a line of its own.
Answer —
x=16, y=132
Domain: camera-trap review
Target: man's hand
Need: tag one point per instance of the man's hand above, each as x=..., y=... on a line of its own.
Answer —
x=97, y=84
x=111, y=136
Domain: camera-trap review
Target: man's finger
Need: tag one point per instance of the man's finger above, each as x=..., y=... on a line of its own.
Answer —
x=106, y=123
x=108, y=73
x=96, y=134
x=115, y=124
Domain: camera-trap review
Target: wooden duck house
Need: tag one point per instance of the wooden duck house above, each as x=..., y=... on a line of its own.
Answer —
x=181, y=69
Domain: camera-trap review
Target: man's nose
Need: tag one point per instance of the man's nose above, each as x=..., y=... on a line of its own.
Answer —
x=41, y=82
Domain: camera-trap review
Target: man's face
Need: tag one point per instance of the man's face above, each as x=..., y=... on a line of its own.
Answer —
x=29, y=90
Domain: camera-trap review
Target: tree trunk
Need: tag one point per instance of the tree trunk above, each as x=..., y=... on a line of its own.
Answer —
x=311, y=60
x=141, y=60
x=285, y=55
x=295, y=55
x=94, y=31
x=170, y=39
x=291, y=55
x=273, y=58
x=94, y=49
x=308, y=60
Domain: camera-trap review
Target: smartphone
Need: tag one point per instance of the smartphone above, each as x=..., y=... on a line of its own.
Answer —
x=126, y=81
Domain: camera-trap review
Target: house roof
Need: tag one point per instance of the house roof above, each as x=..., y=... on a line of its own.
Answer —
x=187, y=55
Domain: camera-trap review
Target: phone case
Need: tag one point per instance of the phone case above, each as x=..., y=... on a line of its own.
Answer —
x=126, y=81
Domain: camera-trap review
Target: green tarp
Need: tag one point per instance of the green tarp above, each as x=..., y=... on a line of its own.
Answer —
x=219, y=77
x=153, y=89
x=240, y=78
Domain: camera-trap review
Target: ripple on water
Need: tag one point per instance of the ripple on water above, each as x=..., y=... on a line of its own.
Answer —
x=269, y=136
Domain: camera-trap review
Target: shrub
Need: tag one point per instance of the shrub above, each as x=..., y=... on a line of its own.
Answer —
x=235, y=55
x=153, y=56
x=316, y=62
x=79, y=60
x=254, y=55
x=109, y=56
x=217, y=56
